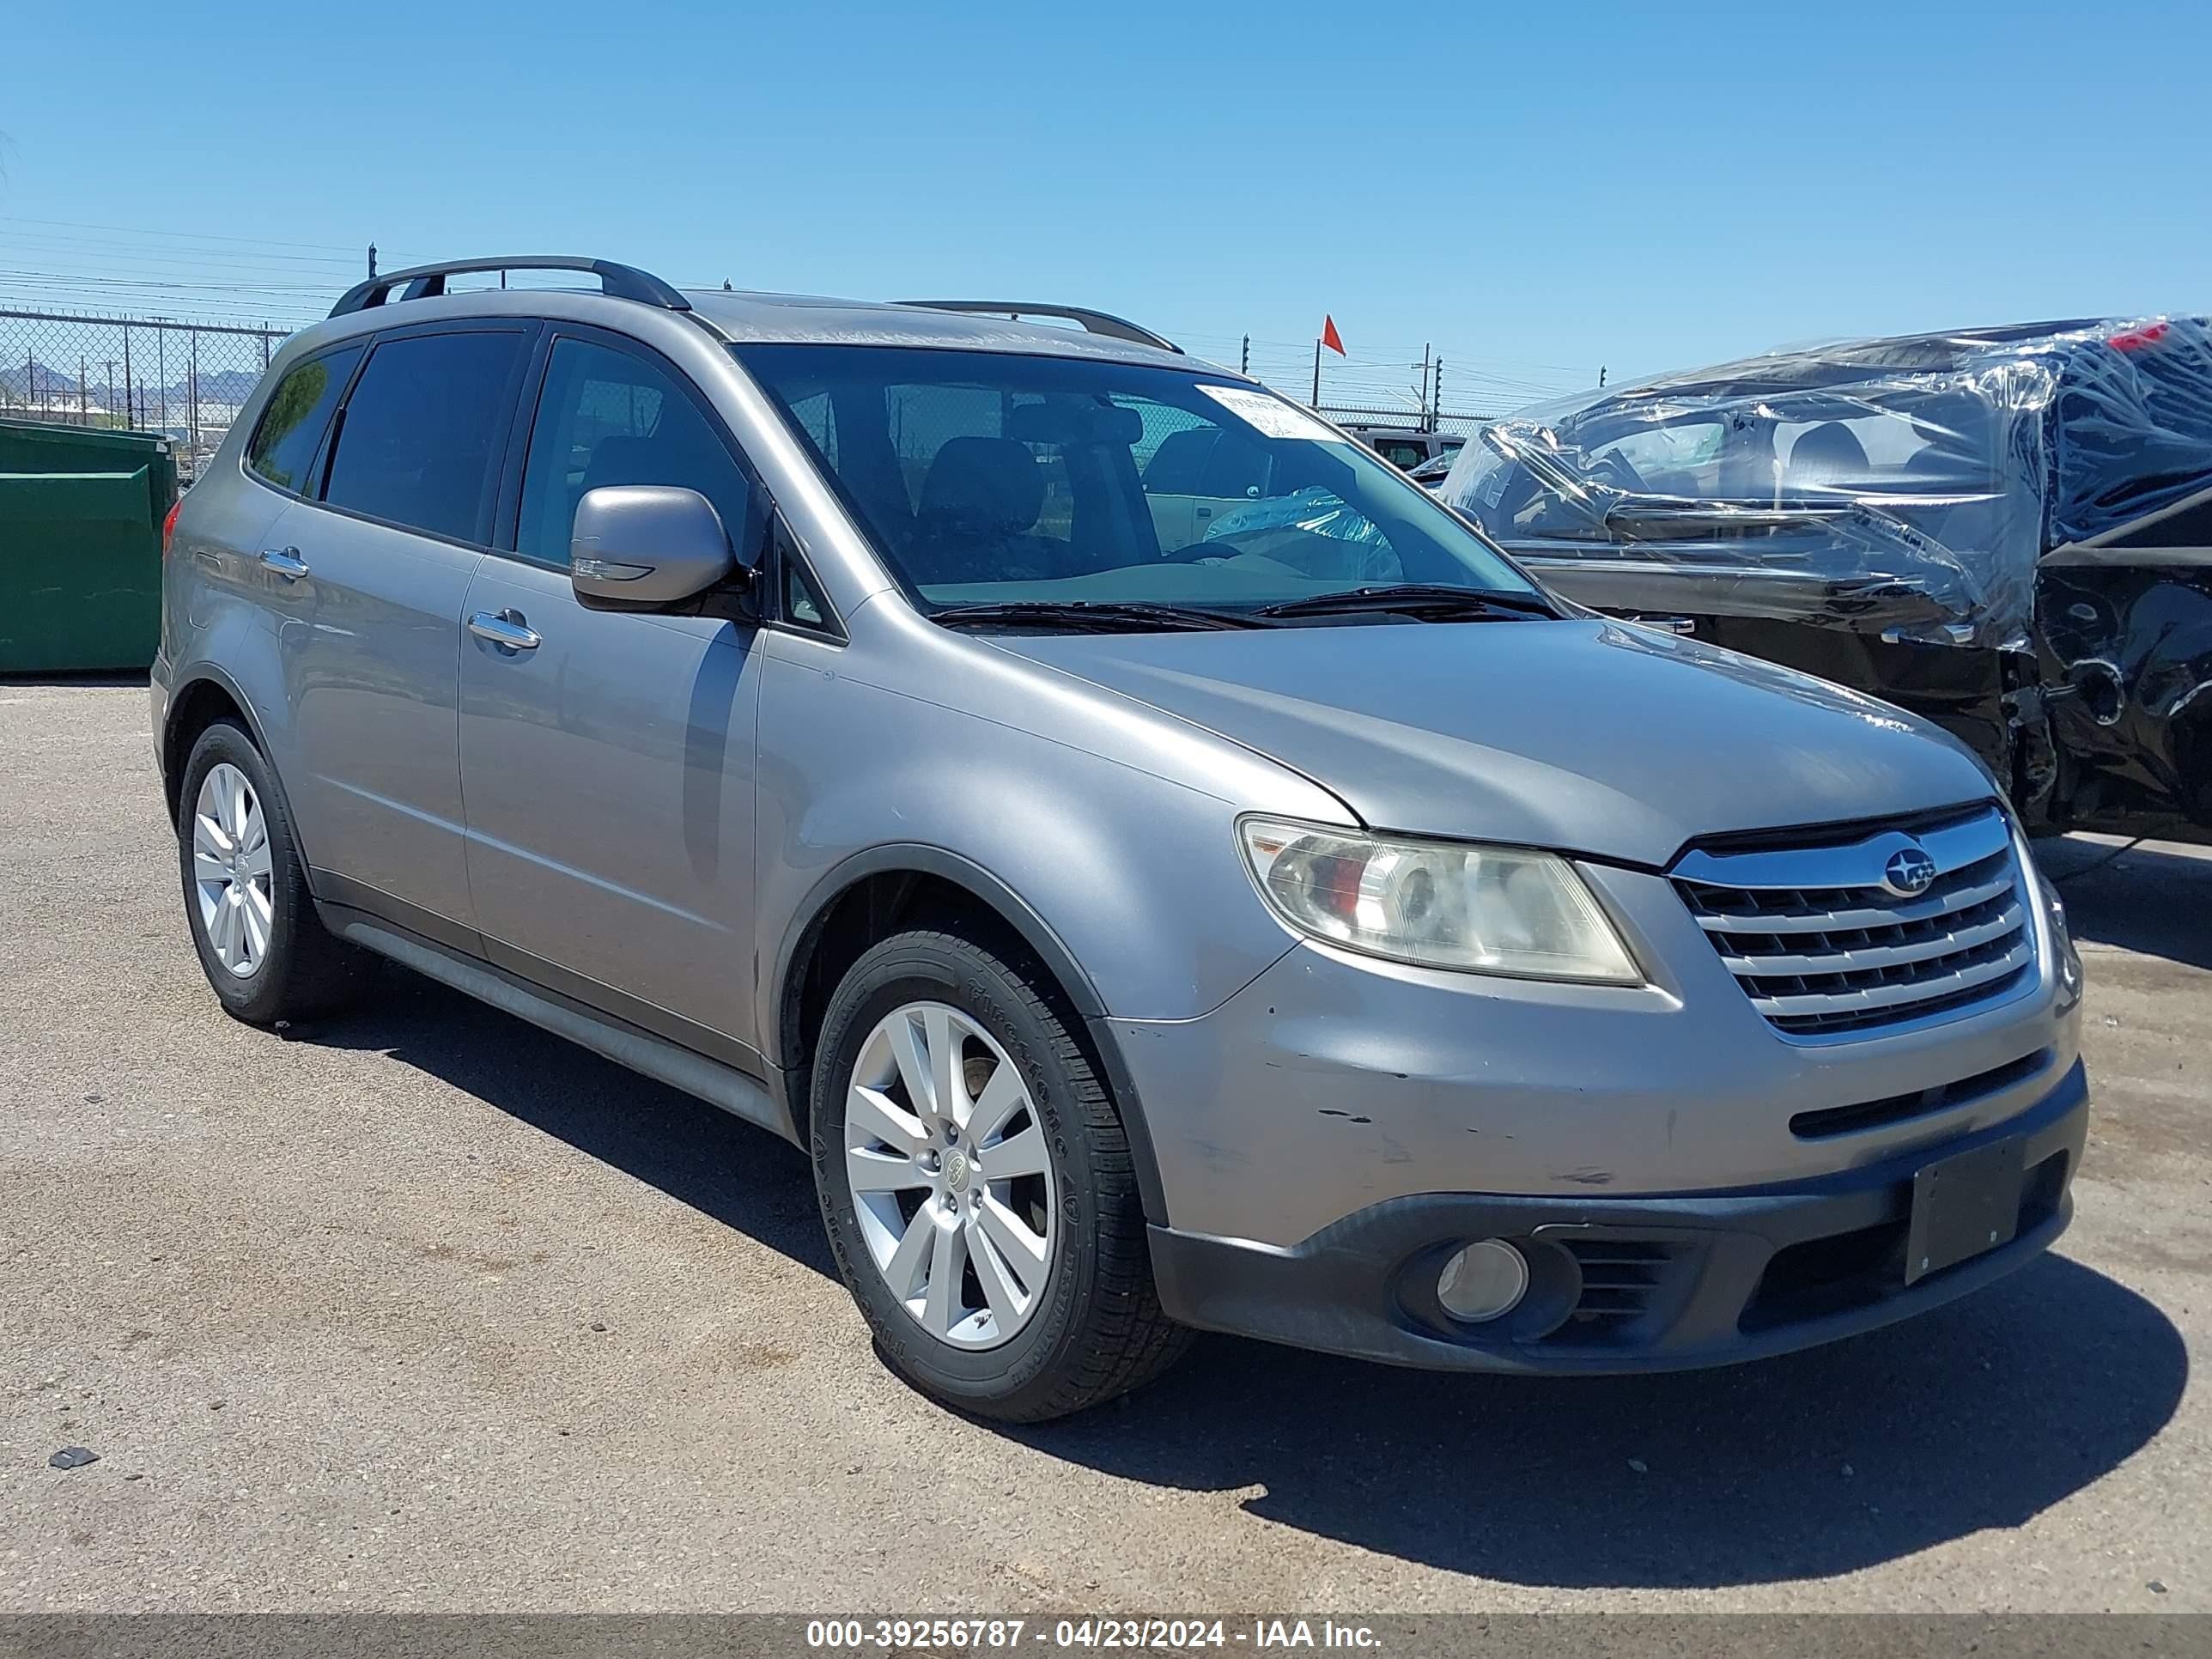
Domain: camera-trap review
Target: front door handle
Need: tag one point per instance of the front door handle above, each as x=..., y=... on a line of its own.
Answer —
x=285, y=561
x=504, y=630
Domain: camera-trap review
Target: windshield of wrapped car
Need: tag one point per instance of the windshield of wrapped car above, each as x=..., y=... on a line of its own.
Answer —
x=992, y=478
x=1770, y=467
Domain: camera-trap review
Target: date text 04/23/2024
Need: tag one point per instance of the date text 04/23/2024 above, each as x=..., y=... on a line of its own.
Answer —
x=1133, y=1633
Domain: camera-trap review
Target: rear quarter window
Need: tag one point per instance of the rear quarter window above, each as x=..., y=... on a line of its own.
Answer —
x=292, y=426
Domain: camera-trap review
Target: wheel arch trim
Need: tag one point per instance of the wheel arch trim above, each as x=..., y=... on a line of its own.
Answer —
x=173, y=761
x=921, y=859
x=181, y=697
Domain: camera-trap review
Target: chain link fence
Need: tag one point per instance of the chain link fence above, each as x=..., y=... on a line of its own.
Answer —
x=1466, y=422
x=184, y=380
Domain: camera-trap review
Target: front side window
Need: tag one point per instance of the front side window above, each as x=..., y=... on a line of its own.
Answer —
x=291, y=428
x=415, y=445
x=988, y=478
x=608, y=417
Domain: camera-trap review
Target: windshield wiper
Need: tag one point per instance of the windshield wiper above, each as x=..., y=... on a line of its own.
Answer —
x=1077, y=616
x=1432, y=600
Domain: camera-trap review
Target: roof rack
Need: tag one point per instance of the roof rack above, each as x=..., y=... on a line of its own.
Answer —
x=1093, y=322
x=427, y=281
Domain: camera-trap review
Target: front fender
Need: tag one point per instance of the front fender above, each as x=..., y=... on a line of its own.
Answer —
x=1126, y=879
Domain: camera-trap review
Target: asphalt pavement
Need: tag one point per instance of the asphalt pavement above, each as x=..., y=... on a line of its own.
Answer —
x=420, y=1309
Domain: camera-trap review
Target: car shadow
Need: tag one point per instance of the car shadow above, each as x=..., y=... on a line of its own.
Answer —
x=698, y=1154
x=1980, y=1415
x=1977, y=1415
x=2153, y=900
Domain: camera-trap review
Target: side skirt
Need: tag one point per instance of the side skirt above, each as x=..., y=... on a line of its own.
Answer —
x=655, y=1057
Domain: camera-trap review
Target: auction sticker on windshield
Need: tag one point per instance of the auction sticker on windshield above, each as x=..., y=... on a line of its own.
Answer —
x=1271, y=416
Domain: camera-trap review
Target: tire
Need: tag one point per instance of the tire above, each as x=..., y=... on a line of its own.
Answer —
x=1046, y=1340
x=293, y=967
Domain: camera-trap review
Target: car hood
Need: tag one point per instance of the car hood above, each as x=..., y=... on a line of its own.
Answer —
x=1586, y=735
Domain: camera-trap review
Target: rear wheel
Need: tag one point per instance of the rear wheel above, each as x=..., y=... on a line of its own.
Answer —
x=261, y=944
x=976, y=1185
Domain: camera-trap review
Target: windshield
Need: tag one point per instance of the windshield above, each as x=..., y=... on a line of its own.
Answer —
x=988, y=478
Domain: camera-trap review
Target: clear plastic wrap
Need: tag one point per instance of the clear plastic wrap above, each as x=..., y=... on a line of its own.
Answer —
x=1902, y=487
x=1364, y=553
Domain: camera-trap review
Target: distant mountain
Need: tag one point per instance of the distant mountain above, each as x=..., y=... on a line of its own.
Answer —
x=35, y=382
x=221, y=386
x=22, y=382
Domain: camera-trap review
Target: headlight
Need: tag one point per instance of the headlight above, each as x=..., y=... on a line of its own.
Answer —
x=2069, y=959
x=1439, y=904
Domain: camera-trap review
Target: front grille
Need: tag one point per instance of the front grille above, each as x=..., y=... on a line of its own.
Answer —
x=1823, y=947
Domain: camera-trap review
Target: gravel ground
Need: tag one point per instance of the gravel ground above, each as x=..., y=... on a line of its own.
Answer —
x=422, y=1309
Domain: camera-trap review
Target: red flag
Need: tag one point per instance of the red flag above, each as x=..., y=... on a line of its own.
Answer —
x=1329, y=337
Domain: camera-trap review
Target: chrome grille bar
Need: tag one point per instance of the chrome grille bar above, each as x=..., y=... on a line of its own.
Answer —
x=2005, y=922
x=1893, y=996
x=1829, y=922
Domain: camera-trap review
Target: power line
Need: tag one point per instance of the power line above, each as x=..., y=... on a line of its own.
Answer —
x=205, y=236
x=88, y=247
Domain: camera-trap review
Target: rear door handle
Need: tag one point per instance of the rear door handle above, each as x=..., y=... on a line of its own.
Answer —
x=285, y=561
x=504, y=628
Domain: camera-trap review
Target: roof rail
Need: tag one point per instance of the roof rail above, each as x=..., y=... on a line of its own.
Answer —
x=1093, y=322
x=427, y=281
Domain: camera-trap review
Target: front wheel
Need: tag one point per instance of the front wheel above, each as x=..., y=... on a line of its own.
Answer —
x=976, y=1185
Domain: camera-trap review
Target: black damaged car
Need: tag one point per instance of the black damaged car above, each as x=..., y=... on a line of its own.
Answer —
x=2008, y=531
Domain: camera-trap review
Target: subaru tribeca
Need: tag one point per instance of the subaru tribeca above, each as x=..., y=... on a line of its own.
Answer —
x=1169, y=871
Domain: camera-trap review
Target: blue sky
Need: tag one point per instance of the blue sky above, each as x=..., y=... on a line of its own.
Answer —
x=1536, y=190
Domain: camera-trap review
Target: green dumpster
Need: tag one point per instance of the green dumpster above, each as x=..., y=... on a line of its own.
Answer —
x=81, y=513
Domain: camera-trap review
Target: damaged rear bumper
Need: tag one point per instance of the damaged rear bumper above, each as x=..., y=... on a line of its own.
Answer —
x=1627, y=1283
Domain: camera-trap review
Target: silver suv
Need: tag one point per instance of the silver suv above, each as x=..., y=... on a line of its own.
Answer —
x=1168, y=869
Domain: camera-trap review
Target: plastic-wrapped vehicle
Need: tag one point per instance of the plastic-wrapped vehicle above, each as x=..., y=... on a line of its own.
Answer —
x=2008, y=531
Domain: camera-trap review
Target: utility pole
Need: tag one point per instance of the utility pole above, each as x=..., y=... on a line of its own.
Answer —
x=1427, y=424
x=1244, y=357
x=372, y=258
x=1437, y=385
x=1316, y=397
x=1601, y=377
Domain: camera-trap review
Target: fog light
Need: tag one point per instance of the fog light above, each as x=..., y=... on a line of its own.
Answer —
x=1484, y=1281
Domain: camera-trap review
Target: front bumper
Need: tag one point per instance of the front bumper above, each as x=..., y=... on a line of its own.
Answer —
x=1629, y=1284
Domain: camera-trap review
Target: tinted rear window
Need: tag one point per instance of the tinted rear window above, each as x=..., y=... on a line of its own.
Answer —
x=283, y=446
x=415, y=446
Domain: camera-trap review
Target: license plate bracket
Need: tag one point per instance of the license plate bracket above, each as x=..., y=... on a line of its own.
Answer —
x=1963, y=1205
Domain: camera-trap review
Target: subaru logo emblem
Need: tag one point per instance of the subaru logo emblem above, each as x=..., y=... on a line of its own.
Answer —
x=1909, y=873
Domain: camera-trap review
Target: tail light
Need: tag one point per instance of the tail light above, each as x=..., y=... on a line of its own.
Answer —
x=169, y=526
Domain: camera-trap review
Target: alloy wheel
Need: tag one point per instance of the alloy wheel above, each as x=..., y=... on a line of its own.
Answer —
x=951, y=1174
x=232, y=871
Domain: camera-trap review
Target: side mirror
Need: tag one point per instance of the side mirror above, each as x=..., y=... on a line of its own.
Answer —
x=646, y=544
